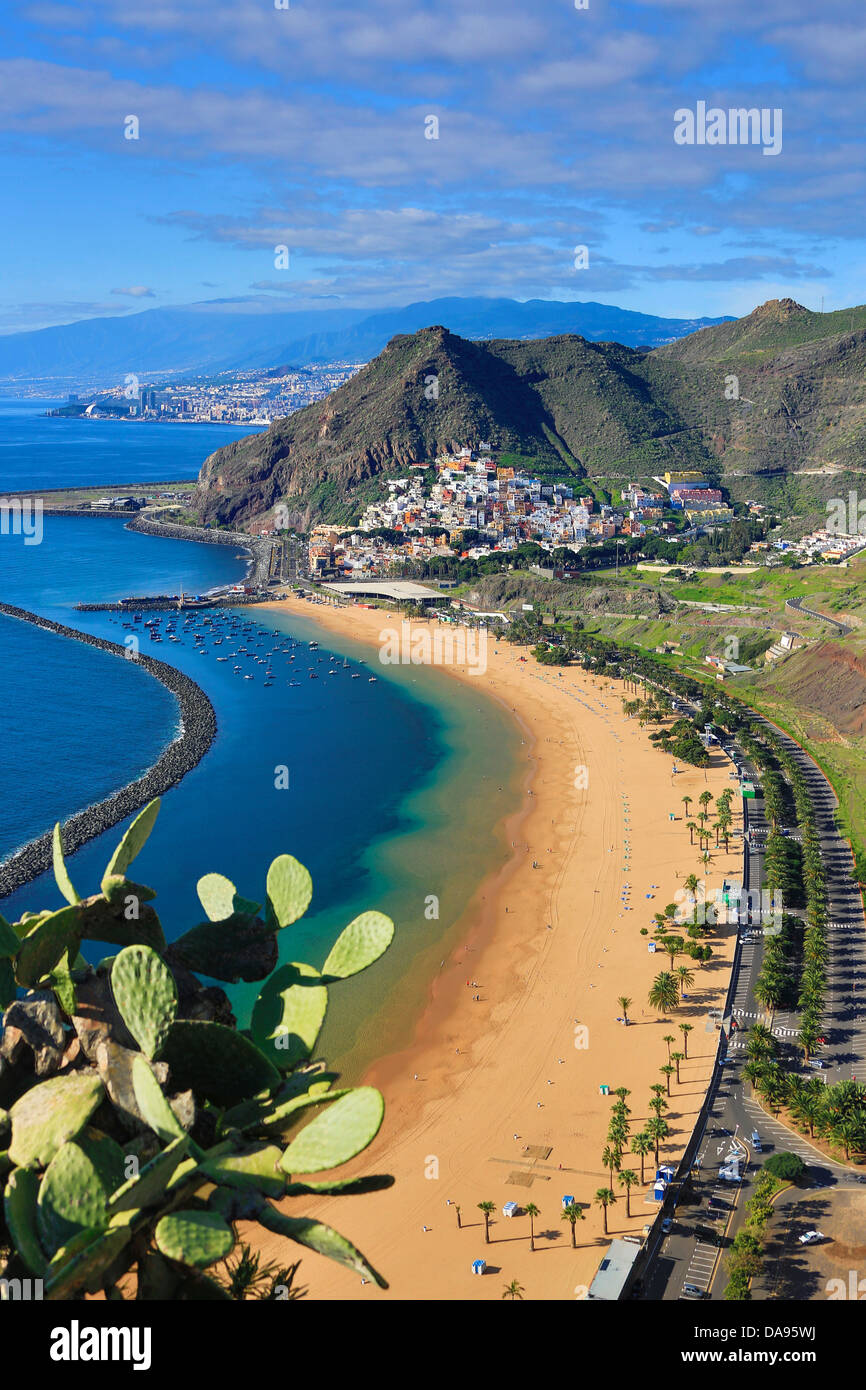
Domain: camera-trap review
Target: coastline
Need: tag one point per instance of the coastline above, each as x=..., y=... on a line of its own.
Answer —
x=198, y=727
x=527, y=1057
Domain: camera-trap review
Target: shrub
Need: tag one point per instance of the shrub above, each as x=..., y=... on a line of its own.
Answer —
x=787, y=1166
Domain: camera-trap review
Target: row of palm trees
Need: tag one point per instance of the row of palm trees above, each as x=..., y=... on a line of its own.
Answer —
x=769, y=754
x=836, y=1113
x=572, y=1212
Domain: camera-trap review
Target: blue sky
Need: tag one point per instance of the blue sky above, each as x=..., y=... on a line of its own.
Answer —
x=305, y=127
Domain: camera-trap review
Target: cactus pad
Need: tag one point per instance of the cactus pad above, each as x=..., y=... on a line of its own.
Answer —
x=44, y=945
x=133, y=841
x=152, y=1103
x=216, y=1063
x=146, y=996
x=19, y=1205
x=288, y=1014
x=335, y=1136
x=197, y=1238
x=257, y=1169
x=75, y=1189
x=220, y=899
x=290, y=890
x=321, y=1238
x=361, y=943
x=61, y=875
x=49, y=1114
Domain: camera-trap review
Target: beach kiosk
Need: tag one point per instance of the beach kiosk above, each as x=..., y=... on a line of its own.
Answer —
x=567, y=1201
x=665, y=1173
x=510, y=1209
x=479, y=1266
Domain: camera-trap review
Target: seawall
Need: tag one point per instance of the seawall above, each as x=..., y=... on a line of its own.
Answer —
x=197, y=733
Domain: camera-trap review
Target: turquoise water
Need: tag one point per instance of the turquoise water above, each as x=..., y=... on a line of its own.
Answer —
x=395, y=786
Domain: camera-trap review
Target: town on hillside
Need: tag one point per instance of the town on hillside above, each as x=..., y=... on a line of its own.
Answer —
x=465, y=506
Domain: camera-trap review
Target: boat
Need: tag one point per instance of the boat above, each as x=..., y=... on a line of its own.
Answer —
x=371, y=679
x=249, y=678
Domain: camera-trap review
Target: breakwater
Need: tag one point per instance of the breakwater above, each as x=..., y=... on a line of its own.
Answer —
x=170, y=605
x=198, y=728
x=260, y=550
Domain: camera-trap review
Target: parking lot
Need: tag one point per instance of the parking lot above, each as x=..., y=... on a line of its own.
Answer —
x=831, y=1268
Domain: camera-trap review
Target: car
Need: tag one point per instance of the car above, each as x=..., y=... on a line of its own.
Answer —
x=816, y=1064
x=708, y=1234
x=667, y=1224
x=756, y=1141
x=692, y=1291
x=811, y=1237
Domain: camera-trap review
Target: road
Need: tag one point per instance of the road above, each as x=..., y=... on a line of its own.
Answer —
x=691, y=1253
x=799, y=607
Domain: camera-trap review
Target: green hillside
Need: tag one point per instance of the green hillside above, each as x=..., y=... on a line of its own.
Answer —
x=773, y=404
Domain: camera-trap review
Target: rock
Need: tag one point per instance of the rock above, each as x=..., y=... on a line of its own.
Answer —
x=34, y=1024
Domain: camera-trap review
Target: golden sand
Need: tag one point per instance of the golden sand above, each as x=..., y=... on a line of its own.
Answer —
x=507, y=1103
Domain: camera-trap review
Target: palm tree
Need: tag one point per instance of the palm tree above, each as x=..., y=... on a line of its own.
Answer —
x=669, y=1038
x=691, y=828
x=691, y=883
x=686, y=978
x=657, y=1129
x=641, y=1145
x=667, y=1072
x=488, y=1208
x=531, y=1211
x=513, y=1290
x=664, y=994
x=458, y=1210
x=676, y=1058
x=687, y=801
x=604, y=1198
x=572, y=1213
x=685, y=1029
x=625, y=1004
x=627, y=1178
x=611, y=1158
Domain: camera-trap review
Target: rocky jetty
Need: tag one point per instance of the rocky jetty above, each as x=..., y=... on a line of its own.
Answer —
x=260, y=550
x=197, y=733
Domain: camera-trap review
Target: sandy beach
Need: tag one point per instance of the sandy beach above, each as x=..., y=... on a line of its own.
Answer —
x=499, y=1096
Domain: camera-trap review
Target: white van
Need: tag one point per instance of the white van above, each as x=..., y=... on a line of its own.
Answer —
x=756, y=1141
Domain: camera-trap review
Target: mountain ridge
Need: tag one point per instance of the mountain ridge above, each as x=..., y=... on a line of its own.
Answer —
x=217, y=335
x=764, y=392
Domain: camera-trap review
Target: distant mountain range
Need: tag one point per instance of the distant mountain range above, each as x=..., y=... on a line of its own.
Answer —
x=218, y=336
x=781, y=391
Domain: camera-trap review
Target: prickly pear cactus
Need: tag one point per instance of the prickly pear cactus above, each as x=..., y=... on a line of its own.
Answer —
x=164, y=1126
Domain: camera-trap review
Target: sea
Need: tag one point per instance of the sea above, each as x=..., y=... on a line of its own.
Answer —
x=392, y=790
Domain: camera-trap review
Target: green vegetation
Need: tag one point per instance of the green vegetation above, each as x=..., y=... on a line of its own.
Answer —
x=570, y=407
x=787, y=1167
x=149, y=1126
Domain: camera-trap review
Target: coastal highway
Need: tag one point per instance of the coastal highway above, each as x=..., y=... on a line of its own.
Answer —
x=709, y=1209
